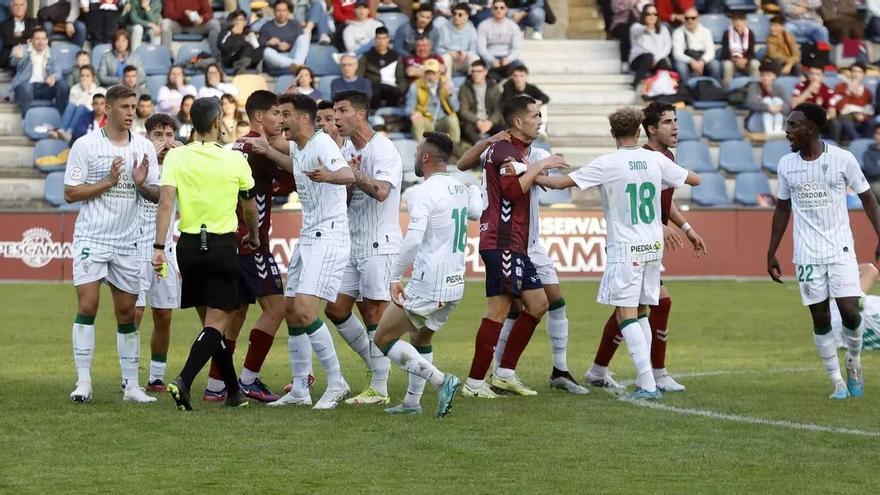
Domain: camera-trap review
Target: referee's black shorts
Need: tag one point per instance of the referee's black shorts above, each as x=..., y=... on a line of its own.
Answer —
x=209, y=278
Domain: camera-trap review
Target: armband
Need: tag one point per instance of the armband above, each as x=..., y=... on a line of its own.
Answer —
x=246, y=194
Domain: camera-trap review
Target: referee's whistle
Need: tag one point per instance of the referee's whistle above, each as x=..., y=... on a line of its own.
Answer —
x=203, y=238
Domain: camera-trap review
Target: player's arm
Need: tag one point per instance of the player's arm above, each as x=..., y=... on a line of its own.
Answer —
x=280, y=157
x=471, y=158
x=251, y=219
x=342, y=176
x=781, y=216
x=692, y=179
x=511, y=189
x=167, y=198
x=678, y=219
x=85, y=192
x=555, y=182
x=475, y=202
x=419, y=214
x=377, y=189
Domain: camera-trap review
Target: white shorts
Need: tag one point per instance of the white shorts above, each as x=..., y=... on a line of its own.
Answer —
x=369, y=278
x=819, y=282
x=159, y=292
x=316, y=270
x=121, y=270
x=630, y=284
x=543, y=265
x=426, y=313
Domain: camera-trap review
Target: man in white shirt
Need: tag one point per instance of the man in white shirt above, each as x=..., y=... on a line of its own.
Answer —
x=694, y=49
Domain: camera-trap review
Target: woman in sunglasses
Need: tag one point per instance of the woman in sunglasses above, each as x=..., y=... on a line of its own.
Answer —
x=651, y=45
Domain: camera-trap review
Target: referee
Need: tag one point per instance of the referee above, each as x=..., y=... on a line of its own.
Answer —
x=207, y=181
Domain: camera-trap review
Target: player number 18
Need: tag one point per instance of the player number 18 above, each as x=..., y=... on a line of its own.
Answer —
x=641, y=202
x=459, y=239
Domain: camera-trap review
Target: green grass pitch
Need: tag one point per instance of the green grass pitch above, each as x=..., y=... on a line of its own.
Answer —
x=552, y=443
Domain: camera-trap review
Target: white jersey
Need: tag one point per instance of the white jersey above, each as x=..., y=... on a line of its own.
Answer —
x=535, y=155
x=439, y=208
x=375, y=225
x=147, y=228
x=817, y=191
x=109, y=221
x=630, y=180
x=323, y=204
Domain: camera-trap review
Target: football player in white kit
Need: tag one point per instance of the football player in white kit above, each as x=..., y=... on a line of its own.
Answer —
x=108, y=170
x=374, y=223
x=162, y=294
x=436, y=246
x=869, y=309
x=813, y=181
x=630, y=180
x=322, y=253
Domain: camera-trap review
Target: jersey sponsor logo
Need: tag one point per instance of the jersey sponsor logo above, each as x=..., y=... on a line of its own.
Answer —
x=811, y=195
x=454, y=280
x=649, y=248
x=36, y=248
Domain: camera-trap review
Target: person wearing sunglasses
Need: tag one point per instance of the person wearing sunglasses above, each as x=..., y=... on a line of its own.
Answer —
x=499, y=41
x=693, y=49
x=458, y=42
x=651, y=45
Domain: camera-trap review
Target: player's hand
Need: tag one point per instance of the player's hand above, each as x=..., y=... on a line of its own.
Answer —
x=671, y=238
x=259, y=144
x=319, y=173
x=551, y=162
x=773, y=269
x=158, y=260
x=398, y=295
x=700, y=248
x=115, y=170
x=174, y=144
x=141, y=170
x=355, y=162
x=501, y=136
x=251, y=241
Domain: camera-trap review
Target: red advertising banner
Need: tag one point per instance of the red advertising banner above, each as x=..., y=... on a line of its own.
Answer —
x=37, y=246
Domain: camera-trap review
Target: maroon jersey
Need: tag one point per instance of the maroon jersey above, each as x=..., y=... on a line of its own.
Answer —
x=265, y=173
x=504, y=223
x=665, y=194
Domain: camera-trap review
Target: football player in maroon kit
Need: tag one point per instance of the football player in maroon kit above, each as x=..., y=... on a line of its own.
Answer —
x=260, y=279
x=504, y=233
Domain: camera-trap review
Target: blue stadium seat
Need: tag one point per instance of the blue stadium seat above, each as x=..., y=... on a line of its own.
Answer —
x=759, y=25
x=687, y=129
x=705, y=105
x=741, y=6
x=832, y=79
x=735, y=157
x=392, y=21
x=320, y=60
x=49, y=147
x=554, y=196
x=64, y=55
x=749, y=186
x=871, y=84
x=788, y=83
x=283, y=82
x=740, y=82
x=154, y=84
x=407, y=150
x=458, y=81
x=156, y=59
x=761, y=52
x=198, y=80
x=719, y=124
x=397, y=111
x=54, y=192
x=324, y=85
x=188, y=37
x=187, y=51
x=773, y=152
x=98, y=52
x=38, y=121
x=858, y=148
x=694, y=155
x=712, y=191
x=717, y=23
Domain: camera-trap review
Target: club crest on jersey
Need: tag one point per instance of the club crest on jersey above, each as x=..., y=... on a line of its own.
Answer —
x=824, y=168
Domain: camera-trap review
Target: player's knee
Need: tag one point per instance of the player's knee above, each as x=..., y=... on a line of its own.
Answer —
x=335, y=313
x=382, y=339
x=162, y=320
x=421, y=337
x=124, y=315
x=88, y=306
x=537, y=308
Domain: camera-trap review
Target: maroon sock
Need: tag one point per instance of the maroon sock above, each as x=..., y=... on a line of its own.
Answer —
x=215, y=371
x=611, y=338
x=258, y=348
x=484, y=348
x=659, y=320
x=520, y=335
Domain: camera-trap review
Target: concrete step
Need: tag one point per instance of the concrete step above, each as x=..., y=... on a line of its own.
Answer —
x=16, y=141
x=583, y=141
x=545, y=65
x=577, y=12
x=587, y=87
x=585, y=33
x=581, y=50
x=601, y=110
x=11, y=124
x=549, y=78
x=608, y=96
x=22, y=189
x=577, y=125
x=16, y=157
x=8, y=108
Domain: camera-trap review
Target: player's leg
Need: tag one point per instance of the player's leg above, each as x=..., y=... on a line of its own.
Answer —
x=305, y=320
x=83, y=338
x=160, y=342
x=420, y=339
x=215, y=390
x=340, y=313
x=557, y=331
x=128, y=344
x=659, y=321
x=515, y=309
x=393, y=325
x=826, y=347
x=259, y=342
x=598, y=375
x=845, y=285
x=498, y=299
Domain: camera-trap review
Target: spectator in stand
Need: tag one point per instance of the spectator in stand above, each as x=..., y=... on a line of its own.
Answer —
x=349, y=81
x=184, y=119
x=458, y=42
x=359, y=33
x=383, y=67
x=62, y=13
x=694, y=49
x=145, y=18
x=673, y=11
x=82, y=59
x=783, y=48
x=91, y=120
x=420, y=25
x=230, y=118
x=738, y=50
x=114, y=62
x=768, y=101
x=519, y=84
x=625, y=14
x=651, y=45
x=842, y=19
x=343, y=13
x=442, y=13
x=499, y=41
x=873, y=17
x=190, y=16
x=79, y=102
x=529, y=14
x=313, y=16
x=803, y=20
x=479, y=109
x=102, y=19
x=814, y=90
x=215, y=85
x=38, y=76
x=853, y=103
x=414, y=64
x=15, y=31
x=171, y=95
x=142, y=112
x=239, y=47
x=871, y=163
x=432, y=104
x=304, y=84
x=285, y=46
x=131, y=78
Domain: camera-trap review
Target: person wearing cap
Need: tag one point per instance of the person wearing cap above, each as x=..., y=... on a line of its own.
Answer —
x=432, y=103
x=208, y=182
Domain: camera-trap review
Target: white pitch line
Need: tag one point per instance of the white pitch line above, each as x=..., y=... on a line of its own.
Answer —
x=695, y=374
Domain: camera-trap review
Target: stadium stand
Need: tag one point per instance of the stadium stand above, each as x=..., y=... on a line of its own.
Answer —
x=687, y=129
x=719, y=124
x=773, y=152
x=712, y=190
x=694, y=155
x=735, y=157
x=39, y=121
x=749, y=186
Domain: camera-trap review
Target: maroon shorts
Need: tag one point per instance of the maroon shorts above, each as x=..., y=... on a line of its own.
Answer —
x=258, y=277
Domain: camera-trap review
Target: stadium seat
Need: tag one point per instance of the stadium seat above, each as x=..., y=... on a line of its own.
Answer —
x=759, y=25
x=320, y=60
x=197, y=80
x=694, y=155
x=832, y=79
x=701, y=104
x=283, y=82
x=735, y=157
x=741, y=6
x=858, y=148
x=687, y=129
x=54, y=192
x=49, y=147
x=773, y=152
x=247, y=84
x=64, y=55
x=788, y=83
x=392, y=21
x=156, y=59
x=407, y=150
x=719, y=124
x=188, y=37
x=396, y=111
x=712, y=191
x=324, y=85
x=740, y=82
x=38, y=121
x=458, y=81
x=186, y=52
x=717, y=23
x=748, y=186
x=98, y=52
x=554, y=196
x=871, y=83
x=761, y=52
x=154, y=84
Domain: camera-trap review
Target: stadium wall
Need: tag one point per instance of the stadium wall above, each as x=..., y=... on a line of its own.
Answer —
x=38, y=246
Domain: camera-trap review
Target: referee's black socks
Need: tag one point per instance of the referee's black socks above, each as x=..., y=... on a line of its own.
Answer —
x=223, y=358
x=206, y=345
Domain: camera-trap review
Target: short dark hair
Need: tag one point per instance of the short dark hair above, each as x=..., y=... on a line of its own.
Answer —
x=652, y=112
x=441, y=142
x=118, y=92
x=325, y=105
x=769, y=65
x=860, y=65
x=814, y=113
x=358, y=99
x=285, y=2
x=519, y=68
x=778, y=19
x=159, y=120
x=425, y=7
x=88, y=68
x=259, y=101
x=204, y=112
x=382, y=30
x=145, y=97
x=301, y=103
x=736, y=15
x=39, y=29
x=98, y=96
x=478, y=63
x=462, y=6
x=515, y=107
x=129, y=68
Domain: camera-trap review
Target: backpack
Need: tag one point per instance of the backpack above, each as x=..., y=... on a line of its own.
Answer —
x=705, y=90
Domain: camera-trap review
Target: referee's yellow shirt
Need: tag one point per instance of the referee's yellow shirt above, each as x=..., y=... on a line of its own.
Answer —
x=208, y=179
